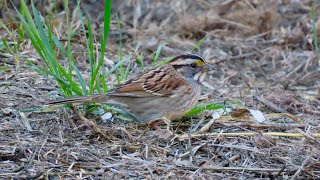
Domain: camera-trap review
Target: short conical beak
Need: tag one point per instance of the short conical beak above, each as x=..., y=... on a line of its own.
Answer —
x=209, y=67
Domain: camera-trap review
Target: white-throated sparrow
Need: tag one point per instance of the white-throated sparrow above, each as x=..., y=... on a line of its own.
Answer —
x=166, y=92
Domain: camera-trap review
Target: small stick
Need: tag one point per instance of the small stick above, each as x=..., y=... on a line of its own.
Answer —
x=87, y=122
x=270, y=104
x=316, y=142
x=245, y=55
x=304, y=163
x=265, y=126
x=279, y=134
x=231, y=159
x=217, y=168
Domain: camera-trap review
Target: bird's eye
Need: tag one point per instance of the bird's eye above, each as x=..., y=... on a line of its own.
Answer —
x=193, y=65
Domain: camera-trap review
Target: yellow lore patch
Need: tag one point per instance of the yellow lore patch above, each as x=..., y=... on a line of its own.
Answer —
x=199, y=62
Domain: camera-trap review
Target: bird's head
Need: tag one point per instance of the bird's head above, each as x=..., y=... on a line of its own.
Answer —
x=191, y=66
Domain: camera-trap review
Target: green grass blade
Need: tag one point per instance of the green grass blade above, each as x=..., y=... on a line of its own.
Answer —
x=5, y=27
x=157, y=54
x=45, y=44
x=40, y=28
x=104, y=83
x=59, y=45
x=120, y=52
x=81, y=80
x=98, y=85
x=31, y=32
x=106, y=29
x=69, y=54
x=197, y=46
x=106, y=26
x=5, y=43
x=49, y=51
x=73, y=85
x=201, y=108
x=91, y=46
x=139, y=60
x=164, y=62
x=230, y=102
x=34, y=36
x=115, y=67
x=127, y=71
x=60, y=80
x=24, y=9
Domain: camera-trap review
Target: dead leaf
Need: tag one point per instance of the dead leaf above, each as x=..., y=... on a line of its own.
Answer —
x=239, y=112
x=258, y=115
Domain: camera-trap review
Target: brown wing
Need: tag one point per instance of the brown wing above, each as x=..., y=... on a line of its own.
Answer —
x=161, y=81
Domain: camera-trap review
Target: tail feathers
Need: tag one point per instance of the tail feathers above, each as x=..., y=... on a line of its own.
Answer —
x=79, y=99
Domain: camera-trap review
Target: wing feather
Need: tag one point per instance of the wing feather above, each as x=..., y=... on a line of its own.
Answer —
x=161, y=81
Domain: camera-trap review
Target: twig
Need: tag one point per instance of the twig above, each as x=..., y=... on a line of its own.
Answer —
x=207, y=126
x=277, y=115
x=88, y=122
x=246, y=148
x=194, y=150
x=237, y=24
x=63, y=174
x=25, y=121
x=279, y=134
x=2, y=60
x=265, y=126
x=237, y=57
x=209, y=86
x=268, y=116
x=191, y=153
x=304, y=163
x=225, y=158
x=316, y=142
x=270, y=104
x=233, y=158
x=216, y=168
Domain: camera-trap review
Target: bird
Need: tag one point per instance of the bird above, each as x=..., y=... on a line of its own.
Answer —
x=165, y=93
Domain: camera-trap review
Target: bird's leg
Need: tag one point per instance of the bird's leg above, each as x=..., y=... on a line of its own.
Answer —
x=165, y=134
x=155, y=123
x=167, y=121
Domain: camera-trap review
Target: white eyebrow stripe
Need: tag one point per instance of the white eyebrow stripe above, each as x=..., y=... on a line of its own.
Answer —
x=183, y=62
x=190, y=61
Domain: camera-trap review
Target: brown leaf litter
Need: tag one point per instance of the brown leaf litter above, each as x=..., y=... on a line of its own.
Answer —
x=264, y=58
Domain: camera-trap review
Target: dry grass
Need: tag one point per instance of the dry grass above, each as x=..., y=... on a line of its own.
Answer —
x=264, y=58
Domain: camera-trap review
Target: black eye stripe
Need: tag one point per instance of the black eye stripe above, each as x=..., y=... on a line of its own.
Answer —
x=177, y=66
